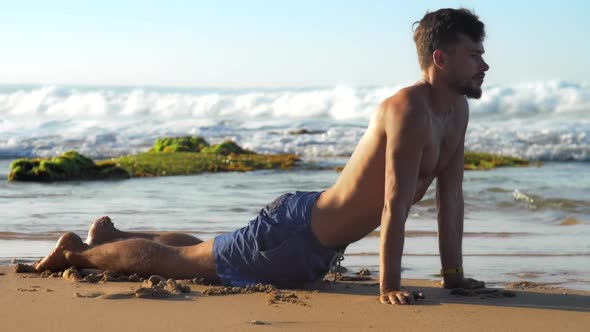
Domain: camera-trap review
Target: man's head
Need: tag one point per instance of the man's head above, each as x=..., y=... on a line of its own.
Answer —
x=450, y=42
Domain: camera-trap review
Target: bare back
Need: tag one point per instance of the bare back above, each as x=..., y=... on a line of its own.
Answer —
x=352, y=207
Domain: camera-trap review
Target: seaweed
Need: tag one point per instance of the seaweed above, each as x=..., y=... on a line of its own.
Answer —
x=185, y=163
x=69, y=166
x=180, y=144
x=486, y=161
x=184, y=156
x=169, y=156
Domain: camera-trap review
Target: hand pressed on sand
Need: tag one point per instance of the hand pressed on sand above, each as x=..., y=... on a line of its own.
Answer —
x=400, y=297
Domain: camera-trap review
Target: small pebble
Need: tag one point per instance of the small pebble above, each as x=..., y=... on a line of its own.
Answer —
x=46, y=274
x=154, y=281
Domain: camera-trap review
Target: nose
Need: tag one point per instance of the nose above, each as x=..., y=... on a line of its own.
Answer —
x=485, y=66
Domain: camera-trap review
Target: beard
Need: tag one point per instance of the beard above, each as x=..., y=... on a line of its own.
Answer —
x=468, y=88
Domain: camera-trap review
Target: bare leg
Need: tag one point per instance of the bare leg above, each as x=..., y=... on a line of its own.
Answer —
x=103, y=231
x=141, y=256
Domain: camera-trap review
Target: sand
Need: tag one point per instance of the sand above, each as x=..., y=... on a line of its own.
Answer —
x=31, y=303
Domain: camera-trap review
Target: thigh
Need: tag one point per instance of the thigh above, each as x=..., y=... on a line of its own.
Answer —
x=199, y=260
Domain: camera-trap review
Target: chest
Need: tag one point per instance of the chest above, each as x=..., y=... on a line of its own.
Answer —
x=443, y=140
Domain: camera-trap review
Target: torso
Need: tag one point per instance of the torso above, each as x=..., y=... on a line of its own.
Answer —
x=354, y=204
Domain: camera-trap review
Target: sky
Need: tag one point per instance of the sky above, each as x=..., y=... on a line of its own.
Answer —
x=256, y=43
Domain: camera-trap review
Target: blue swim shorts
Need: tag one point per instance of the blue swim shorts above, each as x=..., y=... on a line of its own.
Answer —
x=277, y=247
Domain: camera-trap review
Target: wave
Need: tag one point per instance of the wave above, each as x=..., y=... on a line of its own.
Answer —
x=540, y=120
x=340, y=102
x=537, y=202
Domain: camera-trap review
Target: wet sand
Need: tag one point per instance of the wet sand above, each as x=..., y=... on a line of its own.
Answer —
x=32, y=303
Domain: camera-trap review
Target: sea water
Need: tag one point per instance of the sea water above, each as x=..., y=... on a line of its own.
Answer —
x=528, y=223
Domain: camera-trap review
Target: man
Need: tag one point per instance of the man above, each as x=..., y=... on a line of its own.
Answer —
x=414, y=136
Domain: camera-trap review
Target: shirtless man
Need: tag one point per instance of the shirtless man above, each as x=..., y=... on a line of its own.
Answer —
x=414, y=136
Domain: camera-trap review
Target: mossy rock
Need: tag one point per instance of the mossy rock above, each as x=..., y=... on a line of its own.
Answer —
x=184, y=156
x=226, y=148
x=180, y=144
x=485, y=161
x=69, y=166
x=151, y=164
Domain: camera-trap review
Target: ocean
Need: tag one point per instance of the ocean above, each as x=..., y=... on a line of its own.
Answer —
x=528, y=223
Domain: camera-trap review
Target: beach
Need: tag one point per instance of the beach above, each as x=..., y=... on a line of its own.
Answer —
x=509, y=236
x=30, y=303
x=380, y=141
x=524, y=226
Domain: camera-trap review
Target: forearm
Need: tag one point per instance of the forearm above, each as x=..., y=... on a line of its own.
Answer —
x=392, y=245
x=450, y=233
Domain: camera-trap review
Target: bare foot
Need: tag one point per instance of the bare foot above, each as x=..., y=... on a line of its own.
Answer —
x=102, y=231
x=465, y=283
x=57, y=259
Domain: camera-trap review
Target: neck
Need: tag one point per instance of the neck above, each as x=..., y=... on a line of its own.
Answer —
x=443, y=96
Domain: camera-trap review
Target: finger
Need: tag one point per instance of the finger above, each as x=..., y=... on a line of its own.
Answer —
x=384, y=299
x=393, y=299
x=401, y=297
x=407, y=296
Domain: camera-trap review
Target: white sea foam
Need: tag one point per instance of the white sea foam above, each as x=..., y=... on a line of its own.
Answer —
x=539, y=120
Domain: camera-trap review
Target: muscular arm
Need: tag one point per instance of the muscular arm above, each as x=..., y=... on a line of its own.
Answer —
x=404, y=128
x=449, y=200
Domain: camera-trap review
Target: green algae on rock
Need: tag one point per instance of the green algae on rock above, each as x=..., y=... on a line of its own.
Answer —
x=180, y=144
x=185, y=163
x=225, y=148
x=169, y=156
x=485, y=161
x=197, y=144
x=193, y=155
x=69, y=166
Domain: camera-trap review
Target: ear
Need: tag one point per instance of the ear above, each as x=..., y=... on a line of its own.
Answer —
x=439, y=58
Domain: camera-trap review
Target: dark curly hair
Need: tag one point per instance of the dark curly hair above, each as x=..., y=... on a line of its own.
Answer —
x=441, y=29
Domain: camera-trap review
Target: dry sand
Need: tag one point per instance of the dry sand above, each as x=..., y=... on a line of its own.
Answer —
x=31, y=303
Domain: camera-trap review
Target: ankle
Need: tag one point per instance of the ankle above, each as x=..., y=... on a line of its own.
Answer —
x=453, y=280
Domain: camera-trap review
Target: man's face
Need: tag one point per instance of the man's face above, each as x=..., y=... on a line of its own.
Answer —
x=467, y=67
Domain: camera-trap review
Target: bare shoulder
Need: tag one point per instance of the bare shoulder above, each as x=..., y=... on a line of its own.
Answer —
x=406, y=108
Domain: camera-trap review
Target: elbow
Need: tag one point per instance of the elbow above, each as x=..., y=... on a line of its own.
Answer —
x=396, y=210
